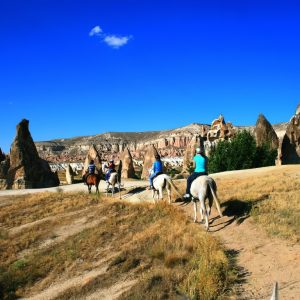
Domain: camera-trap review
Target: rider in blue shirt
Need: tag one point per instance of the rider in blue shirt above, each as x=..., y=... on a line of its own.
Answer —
x=90, y=170
x=91, y=167
x=157, y=168
x=200, y=163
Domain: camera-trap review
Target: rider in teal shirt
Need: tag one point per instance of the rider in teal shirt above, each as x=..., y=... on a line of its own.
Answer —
x=200, y=161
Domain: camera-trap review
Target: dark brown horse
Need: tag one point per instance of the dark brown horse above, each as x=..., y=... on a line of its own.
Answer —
x=93, y=179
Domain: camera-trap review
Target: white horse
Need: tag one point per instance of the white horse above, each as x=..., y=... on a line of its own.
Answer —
x=159, y=183
x=204, y=187
x=112, y=182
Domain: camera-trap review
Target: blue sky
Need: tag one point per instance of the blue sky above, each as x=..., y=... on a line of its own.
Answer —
x=147, y=65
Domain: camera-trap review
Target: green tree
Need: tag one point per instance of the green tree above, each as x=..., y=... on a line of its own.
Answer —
x=240, y=153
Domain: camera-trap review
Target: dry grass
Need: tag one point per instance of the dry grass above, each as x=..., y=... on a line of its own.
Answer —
x=271, y=198
x=273, y=201
x=155, y=244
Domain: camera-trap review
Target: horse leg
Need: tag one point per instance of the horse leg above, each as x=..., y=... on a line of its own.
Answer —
x=153, y=195
x=112, y=190
x=97, y=188
x=160, y=192
x=89, y=188
x=195, y=211
x=107, y=188
x=169, y=192
x=203, y=208
x=210, y=203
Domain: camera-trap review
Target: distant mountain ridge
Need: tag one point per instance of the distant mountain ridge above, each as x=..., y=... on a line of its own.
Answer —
x=170, y=143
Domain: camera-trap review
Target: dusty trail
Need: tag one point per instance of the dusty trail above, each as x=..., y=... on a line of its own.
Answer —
x=262, y=260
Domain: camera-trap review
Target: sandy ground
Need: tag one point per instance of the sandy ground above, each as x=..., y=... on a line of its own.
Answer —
x=261, y=260
x=78, y=187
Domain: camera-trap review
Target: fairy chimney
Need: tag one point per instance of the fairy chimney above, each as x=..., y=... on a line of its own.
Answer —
x=2, y=156
x=4, y=166
x=127, y=164
x=27, y=169
x=69, y=174
x=265, y=133
x=290, y=150
x=94, y=155
x=148, y=161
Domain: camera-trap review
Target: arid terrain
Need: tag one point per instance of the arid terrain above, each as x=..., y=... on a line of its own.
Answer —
x=66, y=244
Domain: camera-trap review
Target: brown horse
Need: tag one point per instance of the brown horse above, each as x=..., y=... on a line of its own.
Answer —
x=93, y=179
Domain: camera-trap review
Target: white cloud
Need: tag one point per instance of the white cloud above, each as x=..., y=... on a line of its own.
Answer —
x=116, y=41
x=95, y=31
x=112, y=40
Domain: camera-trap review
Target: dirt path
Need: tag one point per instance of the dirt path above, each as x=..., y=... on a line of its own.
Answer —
x=262, y=260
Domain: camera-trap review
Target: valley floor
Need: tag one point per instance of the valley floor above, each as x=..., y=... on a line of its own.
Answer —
x=264, y=249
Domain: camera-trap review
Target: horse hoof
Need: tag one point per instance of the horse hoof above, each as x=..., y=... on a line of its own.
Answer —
x=195, y=221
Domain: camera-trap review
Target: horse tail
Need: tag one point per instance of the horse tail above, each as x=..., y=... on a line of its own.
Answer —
x=170, y=181
x=212, y=190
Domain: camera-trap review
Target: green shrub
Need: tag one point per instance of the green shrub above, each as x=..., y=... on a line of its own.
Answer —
x=240, y=153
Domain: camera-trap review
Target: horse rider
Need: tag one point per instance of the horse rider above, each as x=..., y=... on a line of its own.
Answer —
x=200, y=164
x=90, y=170
x=157, y=168
x=111, y=169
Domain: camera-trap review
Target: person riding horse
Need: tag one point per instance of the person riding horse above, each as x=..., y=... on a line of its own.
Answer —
x=111, y=169
x=157, y=168
x=90, y=170
x=200, y=163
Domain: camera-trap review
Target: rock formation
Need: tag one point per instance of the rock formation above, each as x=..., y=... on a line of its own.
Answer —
x=69, y=174
x=298, y=110
x=4, y=166
x=127, y=164
x=148, y=161
x=94, y=155
x=220, y=130
x=290, y=149
x=27, y=169
x=265, y=134
x=2, y=156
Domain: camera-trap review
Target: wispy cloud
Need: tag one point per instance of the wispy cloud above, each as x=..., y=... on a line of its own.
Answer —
x=95, y=31
x=116, y=41
x=112, y=40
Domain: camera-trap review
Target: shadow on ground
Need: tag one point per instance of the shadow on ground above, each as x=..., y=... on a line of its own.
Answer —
x=237, y=211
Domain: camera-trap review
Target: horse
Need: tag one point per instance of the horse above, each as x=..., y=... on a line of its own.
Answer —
x=93, y=179
x=204, y=187
x=159, y=183
x=112, y=181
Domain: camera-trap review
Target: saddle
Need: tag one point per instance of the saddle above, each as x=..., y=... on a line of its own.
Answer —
x=159, y=173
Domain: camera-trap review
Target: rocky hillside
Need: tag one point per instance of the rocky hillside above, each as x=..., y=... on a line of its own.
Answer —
x=170, y=143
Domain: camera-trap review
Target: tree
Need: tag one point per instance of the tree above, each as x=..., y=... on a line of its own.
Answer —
x=240, y=153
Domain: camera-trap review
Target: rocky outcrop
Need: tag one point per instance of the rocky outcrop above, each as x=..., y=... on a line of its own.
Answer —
x=298, y=110
x=69, y=174
x=264, y=133
x=220, y=130
x=148, y=161
x=2, y=156
x=290, y=149
x=127, y=164
x=94, y=155
x=27, y=169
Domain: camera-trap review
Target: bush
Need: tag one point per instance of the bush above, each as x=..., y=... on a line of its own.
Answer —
x=240, y=153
